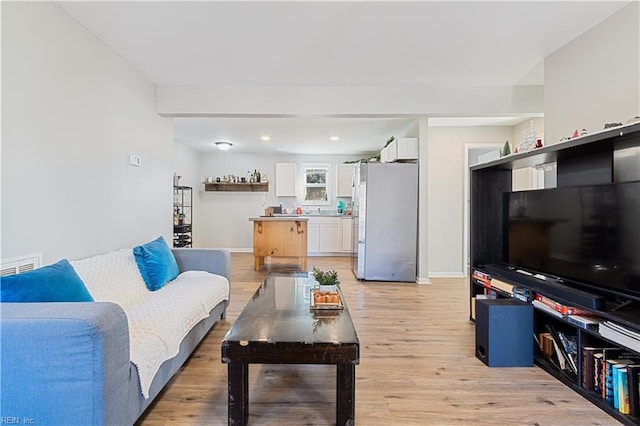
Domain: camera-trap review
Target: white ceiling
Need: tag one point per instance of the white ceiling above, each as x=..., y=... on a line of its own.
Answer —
x=331, y=43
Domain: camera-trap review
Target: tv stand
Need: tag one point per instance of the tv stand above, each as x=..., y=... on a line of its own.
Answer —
x=587, y=160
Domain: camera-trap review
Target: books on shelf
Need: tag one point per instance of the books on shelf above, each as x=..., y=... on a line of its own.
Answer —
x=482, y=277
x=565, y=348
x=523, y=294
x=501, y=285
x=539, y=305
x=546, y=344
x=588, y=368
x=622, y=394
x=603, y=360
x=633, y=380
x=563, y=309
x=612, y=378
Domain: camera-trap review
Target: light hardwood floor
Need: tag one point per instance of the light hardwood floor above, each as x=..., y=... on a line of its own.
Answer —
x=417, y=367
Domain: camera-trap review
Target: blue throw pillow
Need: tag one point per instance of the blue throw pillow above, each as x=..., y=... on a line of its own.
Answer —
x=156, y=263
x=53, y=283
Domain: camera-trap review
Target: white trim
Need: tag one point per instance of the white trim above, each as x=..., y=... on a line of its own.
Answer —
x=425, y=280
x=447, y=274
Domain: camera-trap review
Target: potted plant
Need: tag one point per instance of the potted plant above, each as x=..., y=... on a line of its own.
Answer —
x=325, y=278
x=327, y=291
x=328, y=280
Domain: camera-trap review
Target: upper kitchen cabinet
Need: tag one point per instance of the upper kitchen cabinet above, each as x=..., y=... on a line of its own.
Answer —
x=286, y=178
x=401, y=149
x=344, y=180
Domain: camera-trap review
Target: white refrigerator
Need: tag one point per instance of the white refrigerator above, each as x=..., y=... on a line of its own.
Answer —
x=385, y=211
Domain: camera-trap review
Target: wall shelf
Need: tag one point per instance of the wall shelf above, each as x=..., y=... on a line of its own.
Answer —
x=182, y=216
x=237, y=187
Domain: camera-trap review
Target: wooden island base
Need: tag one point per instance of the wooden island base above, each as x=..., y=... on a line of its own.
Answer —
x=259, y=261
x=284, y=237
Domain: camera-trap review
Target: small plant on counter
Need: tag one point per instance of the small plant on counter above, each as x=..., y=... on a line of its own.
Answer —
x=325, y=277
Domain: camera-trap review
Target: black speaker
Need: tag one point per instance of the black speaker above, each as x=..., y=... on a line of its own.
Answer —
x=504, y=332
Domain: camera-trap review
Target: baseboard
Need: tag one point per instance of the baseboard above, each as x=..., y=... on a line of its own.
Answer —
x=446, y=275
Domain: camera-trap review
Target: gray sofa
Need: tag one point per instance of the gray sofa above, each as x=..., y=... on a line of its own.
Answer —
x=70, y=363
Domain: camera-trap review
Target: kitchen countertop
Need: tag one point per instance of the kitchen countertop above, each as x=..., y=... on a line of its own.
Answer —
x=280, y=218
x=300, y=217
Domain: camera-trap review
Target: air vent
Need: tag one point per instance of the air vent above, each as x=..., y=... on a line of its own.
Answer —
x=21, y=264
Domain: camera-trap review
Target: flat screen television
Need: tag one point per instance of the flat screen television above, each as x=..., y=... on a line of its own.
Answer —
x=587, y=236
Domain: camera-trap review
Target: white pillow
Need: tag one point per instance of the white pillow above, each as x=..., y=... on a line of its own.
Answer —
x=113, y=277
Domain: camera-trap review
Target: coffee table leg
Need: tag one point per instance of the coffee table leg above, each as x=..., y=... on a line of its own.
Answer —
x=238, y=394
x=346, y=395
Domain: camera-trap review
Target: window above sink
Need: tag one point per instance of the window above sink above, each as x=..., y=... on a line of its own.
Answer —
x=315, y=183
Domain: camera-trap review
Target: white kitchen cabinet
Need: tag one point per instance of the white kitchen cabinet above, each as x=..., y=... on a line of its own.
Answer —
x=403, y=149
x=344, y=180
x=331, y=236
x=385, y=155
x=347, y=232
x=286, y=180
x=324, y=235
x=313, y=236
x=400, y=149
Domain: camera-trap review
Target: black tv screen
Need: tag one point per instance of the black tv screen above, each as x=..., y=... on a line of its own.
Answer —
x=586, y=235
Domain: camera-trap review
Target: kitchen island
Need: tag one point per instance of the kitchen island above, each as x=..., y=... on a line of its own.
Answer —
x=279, y=236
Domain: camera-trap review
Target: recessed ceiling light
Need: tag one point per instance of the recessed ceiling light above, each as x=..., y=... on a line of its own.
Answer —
x=265, y=138
x=334, y=138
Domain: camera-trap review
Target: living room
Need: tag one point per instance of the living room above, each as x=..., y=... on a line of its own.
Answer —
x=84, y=111
x=73, y=111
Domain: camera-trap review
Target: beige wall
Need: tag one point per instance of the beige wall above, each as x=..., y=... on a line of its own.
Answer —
x=446, y=160
x=595, y=79
x=72, y=113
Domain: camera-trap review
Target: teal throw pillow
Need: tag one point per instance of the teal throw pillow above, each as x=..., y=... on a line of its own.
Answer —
x=156, y=263
x=52, y=283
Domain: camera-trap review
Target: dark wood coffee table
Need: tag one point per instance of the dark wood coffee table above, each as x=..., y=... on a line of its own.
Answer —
x=277, y=327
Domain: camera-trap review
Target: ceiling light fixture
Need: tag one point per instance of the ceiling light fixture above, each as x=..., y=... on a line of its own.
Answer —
x=265, y=138
x=224, y=146
x=334, y=138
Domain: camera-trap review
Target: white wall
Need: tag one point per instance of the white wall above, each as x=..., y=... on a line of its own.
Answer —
x=594, y=79
x=72, y=112
x=224, y=216
x=445, y=156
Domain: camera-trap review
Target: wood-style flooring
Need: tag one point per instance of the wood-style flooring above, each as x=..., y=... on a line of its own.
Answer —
x=417, y=367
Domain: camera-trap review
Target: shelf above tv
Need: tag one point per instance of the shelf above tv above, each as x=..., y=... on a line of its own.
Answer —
x=602, y=141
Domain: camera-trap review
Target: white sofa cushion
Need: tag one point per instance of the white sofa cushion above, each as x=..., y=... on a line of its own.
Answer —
x=158, y=320
x=158, y=324
x=112, y=277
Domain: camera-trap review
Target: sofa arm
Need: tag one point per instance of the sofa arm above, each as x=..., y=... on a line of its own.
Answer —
x=64, y=363
x=216, y=261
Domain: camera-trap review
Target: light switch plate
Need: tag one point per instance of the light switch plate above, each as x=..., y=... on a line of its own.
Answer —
x=135, y=160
